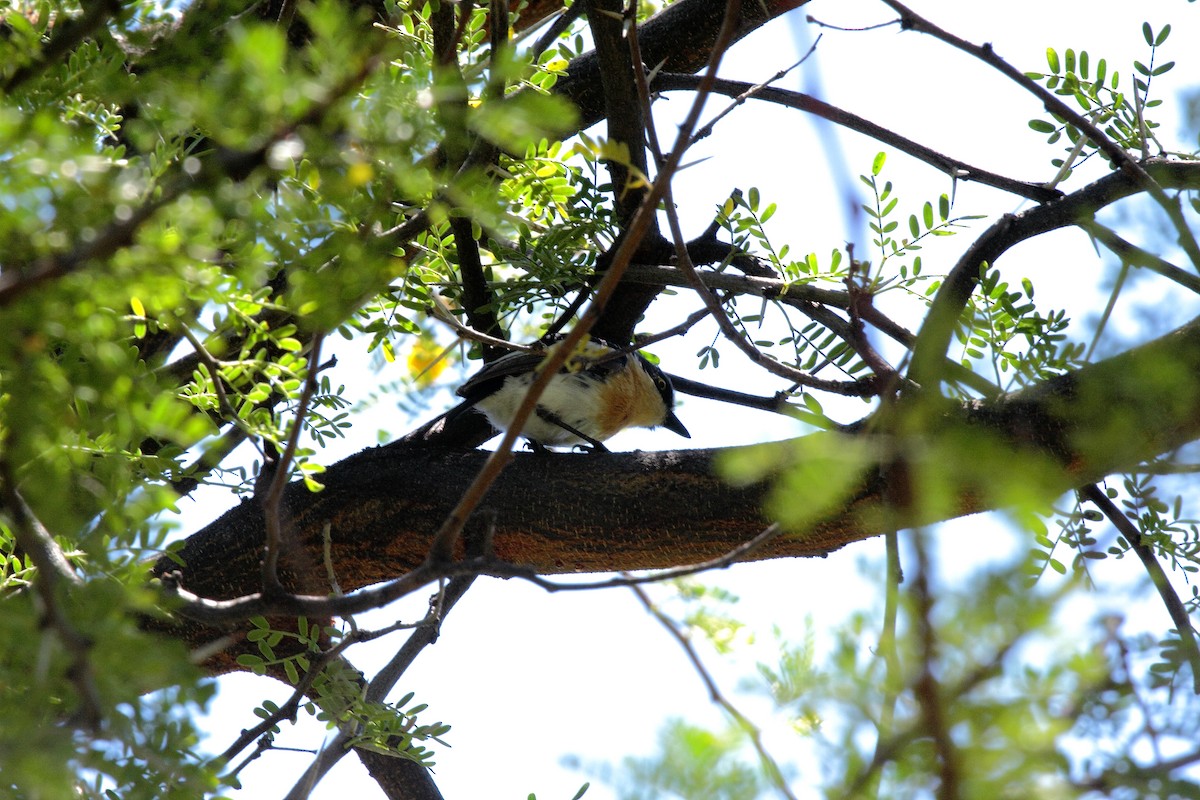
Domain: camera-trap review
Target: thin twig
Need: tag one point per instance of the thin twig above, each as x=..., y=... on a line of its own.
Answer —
x=214, y=612
x=928, y=688
x=441, y=311
x=1175, y=607
x=861, y=298
x=959, y=170
x=689, y=322
x=888, y=646
x=565, y=18
x=1139, y=257
x=274, y=495
x=735, y=555
x=379, y=686
x=68, y=32
x=54, y=572
x=754, y=90
x=714, y=692
x=742, y=284
x=1129, y=165
x=210, y=458
x=291, y=707
x=776, y=403
x=213, y=366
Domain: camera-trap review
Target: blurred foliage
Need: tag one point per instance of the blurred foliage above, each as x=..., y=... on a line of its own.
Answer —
x=188, y=199
x=1039, y=702
x=192, y=200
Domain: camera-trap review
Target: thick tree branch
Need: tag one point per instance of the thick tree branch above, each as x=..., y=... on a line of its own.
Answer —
x=622, y=511
x=680, y=38
x=622, y=110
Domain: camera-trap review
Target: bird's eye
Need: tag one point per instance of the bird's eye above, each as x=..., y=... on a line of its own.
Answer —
x=662, y=383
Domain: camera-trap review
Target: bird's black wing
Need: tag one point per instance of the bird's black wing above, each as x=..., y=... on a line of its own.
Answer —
x=491, y=377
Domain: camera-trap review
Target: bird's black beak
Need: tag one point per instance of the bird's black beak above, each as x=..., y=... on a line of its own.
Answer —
x=672, y=423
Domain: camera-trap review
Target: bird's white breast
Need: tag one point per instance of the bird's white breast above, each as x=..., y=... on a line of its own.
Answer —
x=573, y=398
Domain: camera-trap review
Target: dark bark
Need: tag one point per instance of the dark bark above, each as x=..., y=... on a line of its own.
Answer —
x=628, y=511
x=680, y=38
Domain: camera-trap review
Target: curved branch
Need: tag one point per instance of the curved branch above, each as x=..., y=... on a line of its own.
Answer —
x=1145, y=552
x=811, y=301
x=934, y=337
x=959, y=170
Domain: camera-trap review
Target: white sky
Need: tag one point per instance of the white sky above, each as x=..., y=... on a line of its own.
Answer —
x=527, y=678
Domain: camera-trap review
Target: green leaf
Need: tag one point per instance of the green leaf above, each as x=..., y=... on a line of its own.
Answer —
x=811, y=475
x=522, y=120
x=139, y=328
x=1052, y=60
x=1041, y=126
x=1162, y=35
x=253, y=663
x=877, y=164
x=1148, y=33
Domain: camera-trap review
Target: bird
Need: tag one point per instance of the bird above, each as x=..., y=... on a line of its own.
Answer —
x=599, y=391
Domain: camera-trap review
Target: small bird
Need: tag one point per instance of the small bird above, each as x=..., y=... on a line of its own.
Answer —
x=599, y=391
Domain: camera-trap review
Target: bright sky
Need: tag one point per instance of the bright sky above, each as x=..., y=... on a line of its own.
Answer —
x=528, y=678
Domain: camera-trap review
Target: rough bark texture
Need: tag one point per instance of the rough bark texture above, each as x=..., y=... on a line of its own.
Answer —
x=628, y=511
x=680, y=38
